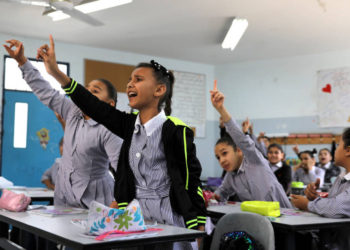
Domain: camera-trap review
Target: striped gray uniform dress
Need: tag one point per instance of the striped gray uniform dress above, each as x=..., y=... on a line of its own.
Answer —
x=148, y=163
x=336, y=205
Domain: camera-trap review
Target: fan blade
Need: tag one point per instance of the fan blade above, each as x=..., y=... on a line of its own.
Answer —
x=81, y=16
x=28, y=2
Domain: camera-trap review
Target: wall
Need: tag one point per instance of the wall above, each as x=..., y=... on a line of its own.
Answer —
x=278, y=95
x=75, y=55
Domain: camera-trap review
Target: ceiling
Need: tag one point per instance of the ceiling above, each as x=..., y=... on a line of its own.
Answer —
x=193, y=30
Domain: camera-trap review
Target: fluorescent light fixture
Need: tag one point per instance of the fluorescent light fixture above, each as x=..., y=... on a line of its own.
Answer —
x=100, y=5
x=88, y=7
x=36, y=3
x=58, y=15
x=235, y=33
x=20, y=127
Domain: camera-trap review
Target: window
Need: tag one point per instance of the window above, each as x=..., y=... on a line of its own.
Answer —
x=14, y=80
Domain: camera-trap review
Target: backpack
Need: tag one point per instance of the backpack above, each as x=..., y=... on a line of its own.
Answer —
x=239, y=240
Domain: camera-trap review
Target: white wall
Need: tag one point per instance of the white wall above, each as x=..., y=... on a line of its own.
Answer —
x=276, y=88
x=75, y=55
x=280, y=95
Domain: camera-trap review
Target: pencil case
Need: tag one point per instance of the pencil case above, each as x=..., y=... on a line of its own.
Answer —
x=266, y=208
x=14, y=202
x=297, y=184
x=103, y=219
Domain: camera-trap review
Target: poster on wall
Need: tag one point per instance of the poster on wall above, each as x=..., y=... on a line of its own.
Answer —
x=189, y=100
x=333, y=104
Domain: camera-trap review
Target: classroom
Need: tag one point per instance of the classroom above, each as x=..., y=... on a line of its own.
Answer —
x=279, y=75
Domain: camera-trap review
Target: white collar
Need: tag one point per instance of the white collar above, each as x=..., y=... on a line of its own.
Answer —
x=151, y=125
x=280, y=164
x=326, y=166
x=347, y=176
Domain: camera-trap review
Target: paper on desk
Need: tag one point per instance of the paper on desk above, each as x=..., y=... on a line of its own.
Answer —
x=56, y=211
x=4, y=183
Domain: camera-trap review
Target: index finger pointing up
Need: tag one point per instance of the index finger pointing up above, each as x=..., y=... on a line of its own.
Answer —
x=215, y=85
x=52, y=43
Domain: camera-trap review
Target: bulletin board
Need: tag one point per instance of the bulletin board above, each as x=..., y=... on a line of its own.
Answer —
x=189, y=93
x=117, y=74
x=333, y=88
x=189, y=100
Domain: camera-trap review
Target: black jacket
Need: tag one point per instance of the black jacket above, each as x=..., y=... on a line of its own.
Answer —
x=332, y=171
x=284, y=176
x=183, y=167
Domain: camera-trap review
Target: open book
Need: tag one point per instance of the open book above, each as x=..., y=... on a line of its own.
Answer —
x=55, y=211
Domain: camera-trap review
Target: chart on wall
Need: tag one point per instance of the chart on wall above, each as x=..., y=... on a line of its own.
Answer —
x=189, y=100
x=333, y=97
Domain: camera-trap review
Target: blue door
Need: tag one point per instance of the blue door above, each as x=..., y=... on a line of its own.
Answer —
x=25, y=166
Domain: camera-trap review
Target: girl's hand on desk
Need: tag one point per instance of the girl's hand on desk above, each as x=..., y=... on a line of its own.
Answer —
x=310, y=190
x=217, y=197
x=300, y=202
x=114, y=204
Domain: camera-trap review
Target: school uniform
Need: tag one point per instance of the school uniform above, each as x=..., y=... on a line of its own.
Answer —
x=336, y=205
x=157, y=164
x=88, y=149
x=254, y=180
x=307, y=177
x=283, y=173
x=331, y=171
x=51, y=173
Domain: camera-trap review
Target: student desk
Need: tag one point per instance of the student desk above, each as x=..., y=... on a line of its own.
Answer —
x=35, y=193
x=60, y=229
x=289, y=222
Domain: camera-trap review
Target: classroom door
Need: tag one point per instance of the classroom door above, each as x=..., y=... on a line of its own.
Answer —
x=24, y=166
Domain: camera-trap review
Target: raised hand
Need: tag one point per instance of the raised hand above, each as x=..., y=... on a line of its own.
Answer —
x=246, y=125
x=18, y=52
x=310, y=190
x=296, y=149
x=217, y=99
x=47, y=54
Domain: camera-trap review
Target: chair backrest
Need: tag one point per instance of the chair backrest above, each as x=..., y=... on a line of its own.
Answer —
x=255, y=225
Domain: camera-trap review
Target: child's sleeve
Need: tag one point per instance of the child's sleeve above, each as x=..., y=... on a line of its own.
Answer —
x=112, y=145
x=226, y=188
x=116, y=121
x=335, y=207
x=259, y=145
x=47, y=175
x=44, y=92
x=245, y=143
x=194, y=183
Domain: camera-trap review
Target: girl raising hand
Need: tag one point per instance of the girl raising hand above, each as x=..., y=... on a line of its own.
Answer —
x=249, y=176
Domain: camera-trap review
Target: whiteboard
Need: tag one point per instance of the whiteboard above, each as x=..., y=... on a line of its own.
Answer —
x=189, y=100
x=333, y=88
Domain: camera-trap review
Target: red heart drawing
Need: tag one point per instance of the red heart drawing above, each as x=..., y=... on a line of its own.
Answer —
x=327, y=89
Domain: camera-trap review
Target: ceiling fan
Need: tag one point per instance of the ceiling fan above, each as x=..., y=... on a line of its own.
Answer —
x=73, y=8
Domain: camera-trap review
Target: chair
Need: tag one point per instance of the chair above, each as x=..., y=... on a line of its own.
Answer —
x=256, y=225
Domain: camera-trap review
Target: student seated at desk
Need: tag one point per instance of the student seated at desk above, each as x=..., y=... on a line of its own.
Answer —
x=50, y=174
x=337, y=204
x=282, y=170
x=306, y=171
x=249, y=174
x=325, y=162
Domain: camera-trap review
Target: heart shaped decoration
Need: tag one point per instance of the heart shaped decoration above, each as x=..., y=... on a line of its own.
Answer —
x=327, y=89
